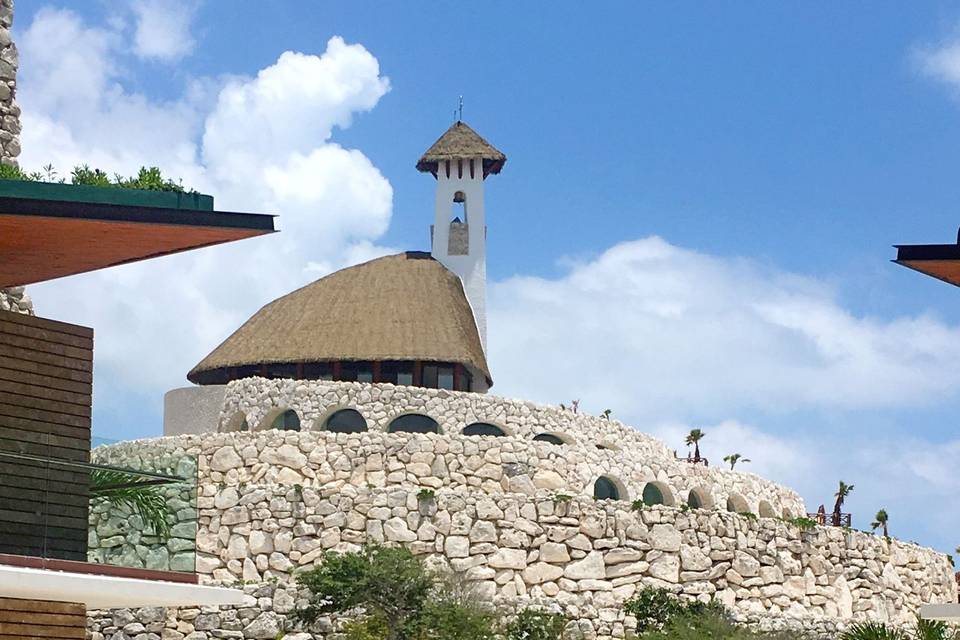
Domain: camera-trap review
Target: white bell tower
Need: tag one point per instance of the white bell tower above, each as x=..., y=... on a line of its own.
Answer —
x=460, y=161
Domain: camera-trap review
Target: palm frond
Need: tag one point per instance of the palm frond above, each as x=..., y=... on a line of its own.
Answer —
x=120, y=488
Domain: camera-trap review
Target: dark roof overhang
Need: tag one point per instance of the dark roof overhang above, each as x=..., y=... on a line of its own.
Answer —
x=941, y=261
x=42, y=238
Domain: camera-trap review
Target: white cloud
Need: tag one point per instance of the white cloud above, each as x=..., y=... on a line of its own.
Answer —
x=258, y=144
x=940, y=61
x=162, y=28
x=658, y=331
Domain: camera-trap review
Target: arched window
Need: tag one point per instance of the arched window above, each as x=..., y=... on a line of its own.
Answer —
x=483, y=429
x=737, y=504
x=657, y=493
x=414, y=423
x=694, y=501
x=286, y=421
x=766, y=510
x=652, y=495
x=549, y=437
x=346, y=421
x=606, y=489
x=699, y=498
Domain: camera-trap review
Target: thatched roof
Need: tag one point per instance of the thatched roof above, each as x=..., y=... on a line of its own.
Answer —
x=401, y=307
x=461, y=142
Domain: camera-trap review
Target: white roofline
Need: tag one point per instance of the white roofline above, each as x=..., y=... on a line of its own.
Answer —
x=102, y=592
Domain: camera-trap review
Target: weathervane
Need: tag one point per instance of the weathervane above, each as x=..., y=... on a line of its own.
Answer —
x=460, y=111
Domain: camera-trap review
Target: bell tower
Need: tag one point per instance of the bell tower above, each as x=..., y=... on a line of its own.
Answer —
x=461, y=161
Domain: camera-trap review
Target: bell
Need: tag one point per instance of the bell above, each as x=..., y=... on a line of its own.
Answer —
x=459, y=197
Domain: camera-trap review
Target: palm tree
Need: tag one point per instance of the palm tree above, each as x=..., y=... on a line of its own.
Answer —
x=880, y=520
x=843, y=490
x=734, y=458
x=694, y=438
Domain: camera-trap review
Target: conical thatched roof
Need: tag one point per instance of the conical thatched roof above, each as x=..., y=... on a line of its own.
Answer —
x=402, y=307
x=460, y=142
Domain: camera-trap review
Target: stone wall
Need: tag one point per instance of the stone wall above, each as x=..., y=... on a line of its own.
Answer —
x=595, y=446
x=15, y=298
x=118, y=536
x=9, y=109
x=271, y=502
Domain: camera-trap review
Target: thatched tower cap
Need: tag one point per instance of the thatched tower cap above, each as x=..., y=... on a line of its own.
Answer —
x=460, y=142
x=402, y=307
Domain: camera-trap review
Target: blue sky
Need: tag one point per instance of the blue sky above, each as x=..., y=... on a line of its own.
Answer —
x=703, y=197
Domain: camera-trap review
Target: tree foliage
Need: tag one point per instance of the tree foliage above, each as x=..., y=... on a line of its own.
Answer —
x=386, y=582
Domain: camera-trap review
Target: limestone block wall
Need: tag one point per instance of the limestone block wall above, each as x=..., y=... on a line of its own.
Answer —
x=595, y=446
x=118, y=536
x=271, y=502
x=9, y=109
x=15, y=298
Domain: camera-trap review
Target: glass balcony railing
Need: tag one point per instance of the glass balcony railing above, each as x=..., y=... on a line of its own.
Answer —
x=127, y=505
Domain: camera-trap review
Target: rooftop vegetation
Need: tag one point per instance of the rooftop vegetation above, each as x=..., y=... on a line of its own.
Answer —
x=147, y=179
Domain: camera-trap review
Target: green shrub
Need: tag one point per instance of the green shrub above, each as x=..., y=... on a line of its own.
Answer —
x=873, y=631
x=533, y=624
x=425, y=495
x=450, y=620
x=389, y=583
x=655, y=609
x=365, y=628
x=802, y=522
x=149, y=179
x=933, y=630
x=711, y=625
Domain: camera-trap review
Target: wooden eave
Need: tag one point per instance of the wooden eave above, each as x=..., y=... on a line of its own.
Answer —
x=43, y=239
x=941, y=261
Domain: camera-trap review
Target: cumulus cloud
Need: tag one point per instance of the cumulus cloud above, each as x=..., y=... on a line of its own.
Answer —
x=262, y=143
x=162, y=28
x=665, y=332
x=940, y=61
x=672, y=339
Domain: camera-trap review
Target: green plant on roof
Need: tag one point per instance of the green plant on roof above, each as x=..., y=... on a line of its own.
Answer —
x=693, y=440
x=843, y=492
x=880, y=520
x=122, y=489
x=148, y=179
x=733, y=459
x=606, y=414
x=802, y=523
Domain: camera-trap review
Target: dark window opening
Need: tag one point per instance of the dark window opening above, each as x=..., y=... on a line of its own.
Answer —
x=346, y=421
x=652, y=495
x=317, y=371
x=356, y=372
x=414, y=423
x=281, y=371
x=287, y=421
x=397, y=373
x=694, y=501
x=483, y=429
x=605, y=489
x=549, y=437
